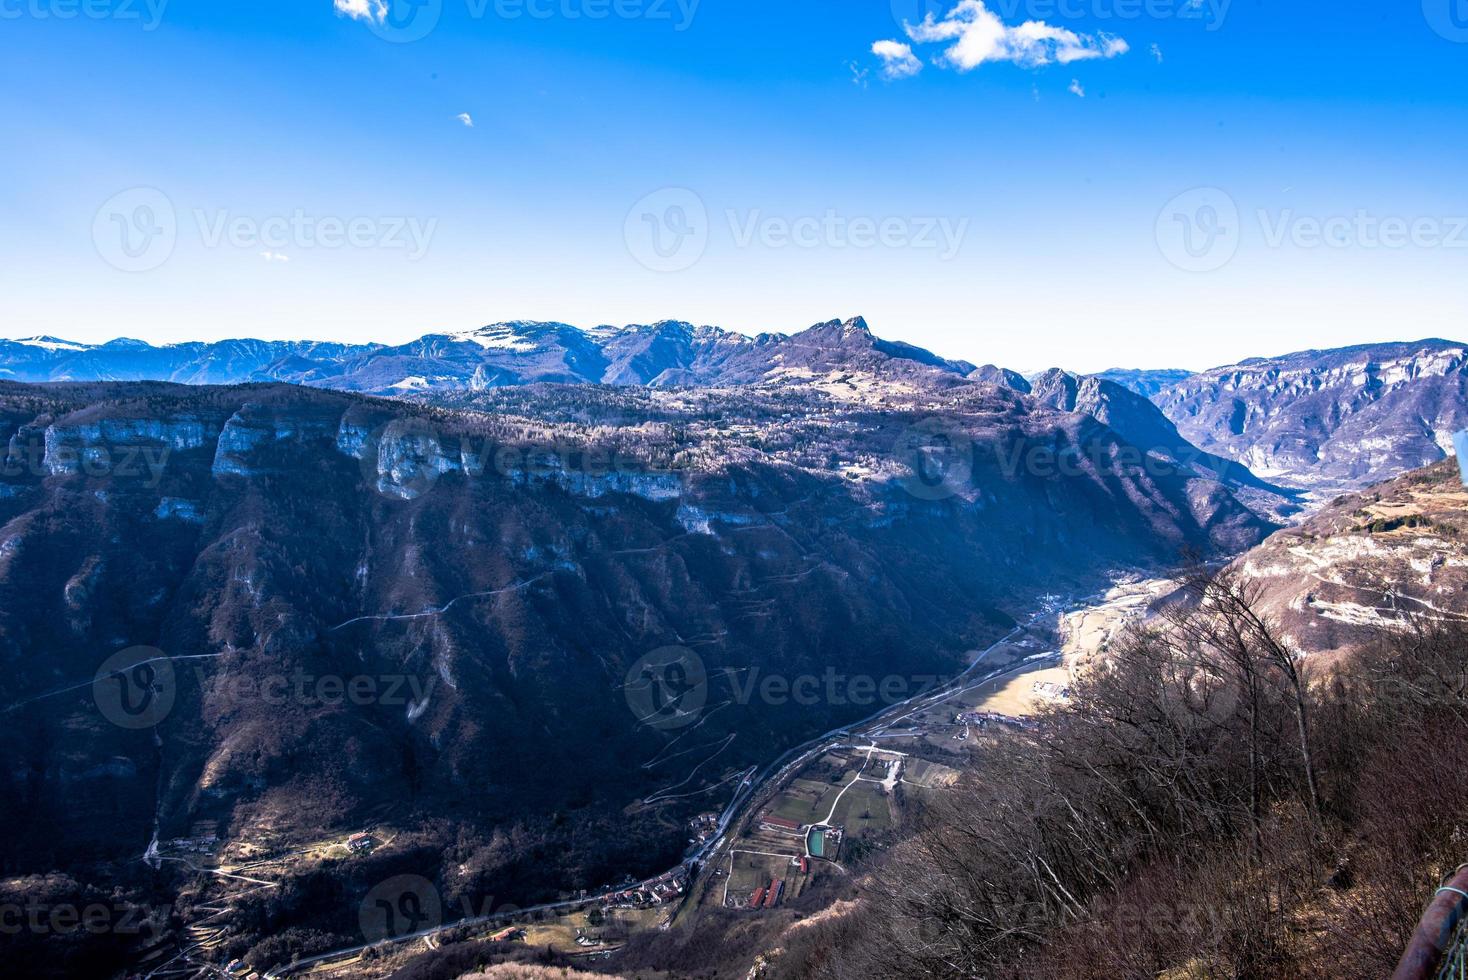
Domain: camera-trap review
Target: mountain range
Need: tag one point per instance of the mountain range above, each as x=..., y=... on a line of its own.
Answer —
x=496, y=569
x=659, y=355
x=499, y=548
x=1317, y=421
x=1329, y=420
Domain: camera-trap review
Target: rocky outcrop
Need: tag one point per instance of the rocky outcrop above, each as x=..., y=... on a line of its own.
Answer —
x=1382, y=559
x=1329, y=420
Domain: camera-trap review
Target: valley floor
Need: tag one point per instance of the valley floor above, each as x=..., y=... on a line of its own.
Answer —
x=789, y=827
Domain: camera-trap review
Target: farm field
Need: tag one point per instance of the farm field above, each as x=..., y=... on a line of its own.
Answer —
x=928, y=775
x=806, y=800
x=865, y=810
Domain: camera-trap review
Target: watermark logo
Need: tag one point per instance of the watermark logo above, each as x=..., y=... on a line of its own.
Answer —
x=137, y=230
x=400, y=907
x=1362, y=230
x=395, y=21
x=831, y=688
x=149, y=13
x=1449, y=18
x=317, y=690
x=668, y=688
x=1198, y=231
x=93, y=919
x=1202, y=230
x=1212, y=13
x=403, y=458
x=309, y=232
x=679, y=13
x=907, y=13
x=31, y=455
x=406, y=21
x=939, y=460
x=1460, y=446
x=668, y=230
x=135, y=688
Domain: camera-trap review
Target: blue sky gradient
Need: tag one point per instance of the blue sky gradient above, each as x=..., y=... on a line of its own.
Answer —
x=774, y=112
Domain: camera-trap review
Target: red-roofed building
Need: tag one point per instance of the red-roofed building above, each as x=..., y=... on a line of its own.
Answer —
x=757, y=899
x=772, y=898
x=780, y=823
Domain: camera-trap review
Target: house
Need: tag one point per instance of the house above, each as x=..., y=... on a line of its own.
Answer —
x=772, y=897
x=758, y=898
x=358, y=843
x=507, y=935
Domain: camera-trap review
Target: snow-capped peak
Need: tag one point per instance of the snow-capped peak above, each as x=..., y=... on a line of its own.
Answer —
x=498, y=336
x=52, y=344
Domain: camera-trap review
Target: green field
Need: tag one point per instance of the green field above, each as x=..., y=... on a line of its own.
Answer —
x=753, y=871
x=864, y=810
x=805, y=800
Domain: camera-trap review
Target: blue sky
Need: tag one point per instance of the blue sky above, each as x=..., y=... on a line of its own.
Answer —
x=1137, y=182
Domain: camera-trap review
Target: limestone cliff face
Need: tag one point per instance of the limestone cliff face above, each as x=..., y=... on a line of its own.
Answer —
x=491, y=574
x=1329, y=419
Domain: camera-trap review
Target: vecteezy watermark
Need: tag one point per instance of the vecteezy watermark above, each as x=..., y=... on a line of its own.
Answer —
x=301, y=230
x=669, y=230
x=138, y=230
x=1211, y=13
x=135, y=688
x=1460, y=446
x=400, y=907
x=832, y=687
x=37, y=455
x=312, y=690
x=938, y=459
x=678, y=13
x=1426, y=690
x=396, y=21
x=405, y=459
x=1363, y=230
x=138, y=687
x=1129, y=920
x=1198, y=231
x=667, y=689
x=1449, y=18
x=1201, y=230
x=406, y=21
x=148, y=13
x=92, y=918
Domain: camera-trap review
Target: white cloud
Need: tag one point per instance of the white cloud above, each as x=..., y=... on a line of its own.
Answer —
x=466, y=119
x=1076, y=88
x=1157, y=52
x=369, y=10
x=978, y=35
x=898, y=61
x=274, y=257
